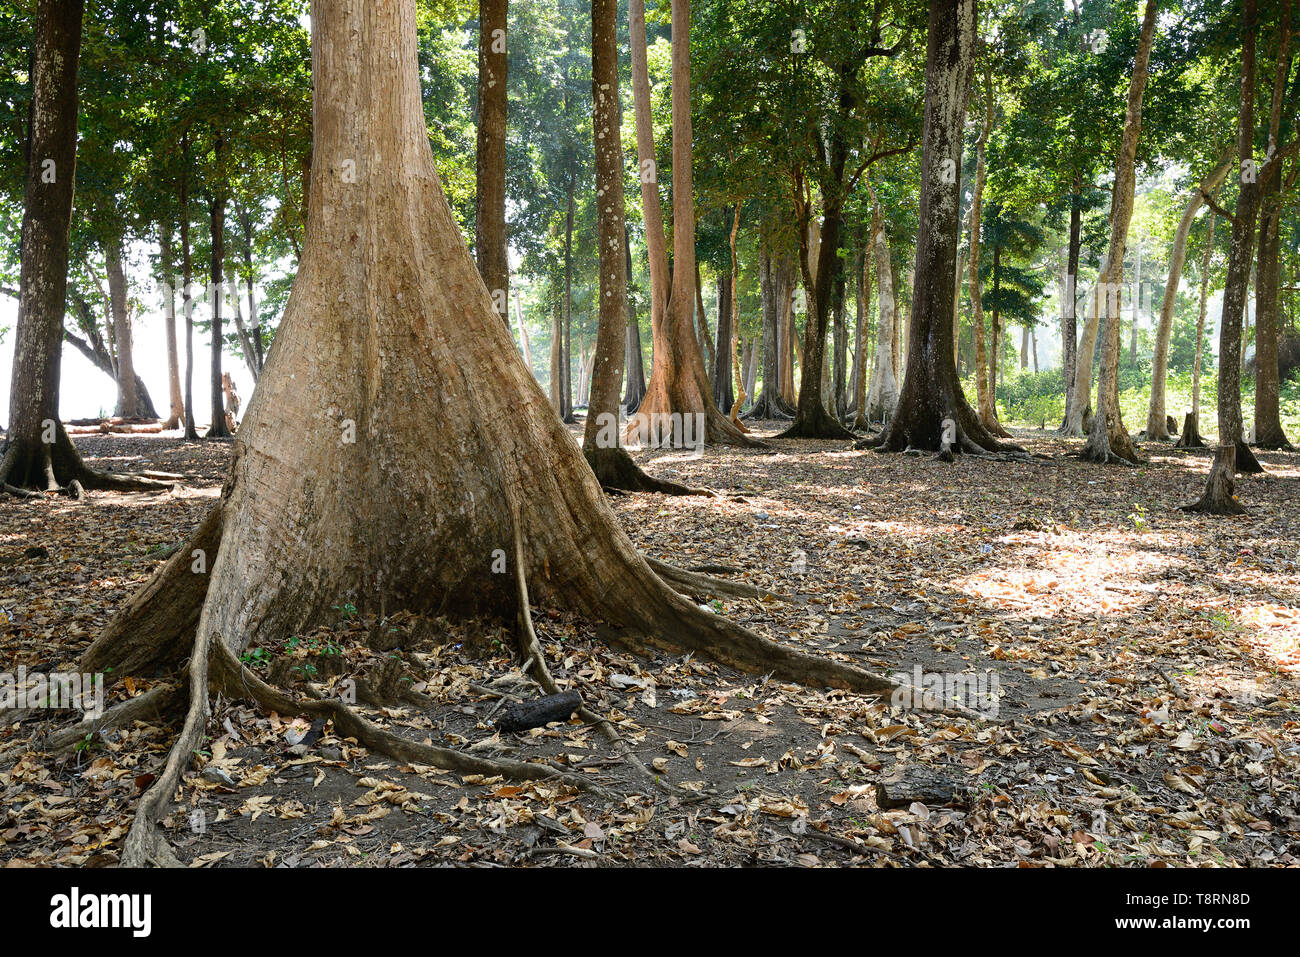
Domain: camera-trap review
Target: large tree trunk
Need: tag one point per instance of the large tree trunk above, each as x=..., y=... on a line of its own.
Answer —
x=177, y=412
x=1108, y=440
x=364, y=336
x=490, y=158
x=1157, y=417
x=1233, y=455
x=679, y=385
x=932, y=411
x=38, y=453
x=128, y=403
x=1268, y=422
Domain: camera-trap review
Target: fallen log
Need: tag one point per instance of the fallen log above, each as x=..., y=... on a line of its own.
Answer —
x=539, y=711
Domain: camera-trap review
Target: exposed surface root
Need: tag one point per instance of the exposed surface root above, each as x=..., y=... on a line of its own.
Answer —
x=615, y=470
x=530, y=649
x=694, y=583
x=149, y=705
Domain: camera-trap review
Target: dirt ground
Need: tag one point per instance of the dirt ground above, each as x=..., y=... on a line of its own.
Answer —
x=1145, y=710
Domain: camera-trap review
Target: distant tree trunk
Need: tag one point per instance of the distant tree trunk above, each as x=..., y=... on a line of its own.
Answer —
x=1191, y=437
x=490, y=155
x=217, y=233
x=723, y=393
x=1268, y=422
x=770, y=404
x=751, y=366
x=1232, y=454
x=733, y=341
x=634, y=363
x=984, y=378
x=860, y=421
x=523, y=332
x=128, y=404
x=566, y=358
x=96, y=352
x=651, y=210
x=995, y=361
x=38, y=453
x=241, y=330
x=679, y=384
x=705, y=338
x=187, y=279
x=931, y=408
x=1069, y=303
x=254, y=332
x=785, y=284
x=882, y=398
x=1157, y=417
x=840, y=340
x=1024, y=347
x=557, y=354
x=1108, y=440
x=168, y=267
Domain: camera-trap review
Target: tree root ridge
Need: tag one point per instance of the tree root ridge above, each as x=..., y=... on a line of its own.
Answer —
x=616, y=471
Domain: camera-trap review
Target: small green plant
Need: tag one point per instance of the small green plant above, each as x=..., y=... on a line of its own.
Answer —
x=1138, y=517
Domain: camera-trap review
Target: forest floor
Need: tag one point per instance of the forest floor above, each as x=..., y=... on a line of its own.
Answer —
x=1146, y=710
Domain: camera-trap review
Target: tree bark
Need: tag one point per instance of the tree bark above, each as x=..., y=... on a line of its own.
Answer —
x=1108, y=440
x=490, y=156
